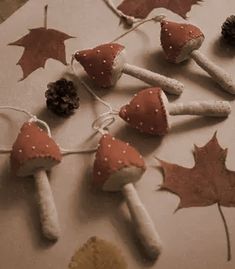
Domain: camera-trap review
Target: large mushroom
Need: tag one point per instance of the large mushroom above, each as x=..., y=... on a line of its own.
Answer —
x=117, y=167
x=33, y=153
x=181, y=41
x=149, y=111
x=105, y=64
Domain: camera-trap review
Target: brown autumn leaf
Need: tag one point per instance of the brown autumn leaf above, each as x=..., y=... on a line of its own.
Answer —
x=208, y=182
x=141, y=8
x=41, y=44
x=97, y=254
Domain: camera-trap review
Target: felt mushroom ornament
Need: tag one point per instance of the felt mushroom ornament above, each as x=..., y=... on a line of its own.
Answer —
x=105, y=64
x=117, y=167
x=34, y=153
x=149, y=111
x=181, y=41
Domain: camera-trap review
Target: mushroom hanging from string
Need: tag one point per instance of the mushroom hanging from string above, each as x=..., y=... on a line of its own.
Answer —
x=117, y=167
x=105, y=64
x=34, y=153
x=149, y=111
x=181, y=41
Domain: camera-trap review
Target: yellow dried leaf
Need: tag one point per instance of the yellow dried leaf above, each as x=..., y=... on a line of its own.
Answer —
x=97, y=254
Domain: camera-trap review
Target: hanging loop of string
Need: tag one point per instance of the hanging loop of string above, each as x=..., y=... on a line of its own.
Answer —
x=33, y=118
x=157, y=18
x=101, y=123
x=129, y=19
x=41, y=123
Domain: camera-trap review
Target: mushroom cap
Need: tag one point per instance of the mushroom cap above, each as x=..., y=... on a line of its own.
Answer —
x=116, y=164
x=179, y=40
x=103, y=63
x=147, y=112
x=32, y=150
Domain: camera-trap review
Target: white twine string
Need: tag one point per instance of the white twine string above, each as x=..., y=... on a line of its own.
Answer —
x=5, y=150
x=72, y=61
x=157, y=18
x=108, y=105
x=41, y=122
x=74, y=151
x=129, y=19
x=33, y=118
x=18, y=110
x=104, y=120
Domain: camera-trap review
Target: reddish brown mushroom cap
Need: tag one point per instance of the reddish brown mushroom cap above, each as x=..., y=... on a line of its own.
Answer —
x=113, y=156
x=99, y=63
x=33, y=149
x=147, y=112
x=179, y=40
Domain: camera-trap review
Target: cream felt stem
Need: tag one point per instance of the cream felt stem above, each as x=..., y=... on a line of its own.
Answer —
x=143, y=224
x=203, y=108
x=48, y=212
x=168, y=85
x=217, y=73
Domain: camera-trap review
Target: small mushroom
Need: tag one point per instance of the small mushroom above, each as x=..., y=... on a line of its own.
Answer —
x=32, y=154
x=117, y=167
x=181, y=41
x=149, y=111
x=105, y=64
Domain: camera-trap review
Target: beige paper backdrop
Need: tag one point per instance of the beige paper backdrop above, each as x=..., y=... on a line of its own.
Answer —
x=193, y=238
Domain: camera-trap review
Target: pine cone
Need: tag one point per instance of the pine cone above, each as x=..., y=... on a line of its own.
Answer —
x=228, y=30
x=62, y=97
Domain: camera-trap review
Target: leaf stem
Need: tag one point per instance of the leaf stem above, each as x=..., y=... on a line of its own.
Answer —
x=45, y=16
x=158, y=18
x=226, y=232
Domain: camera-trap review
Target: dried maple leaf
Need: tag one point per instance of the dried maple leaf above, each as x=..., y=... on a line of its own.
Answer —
x=141, y=8
x=41, y=44
x=208, y=182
